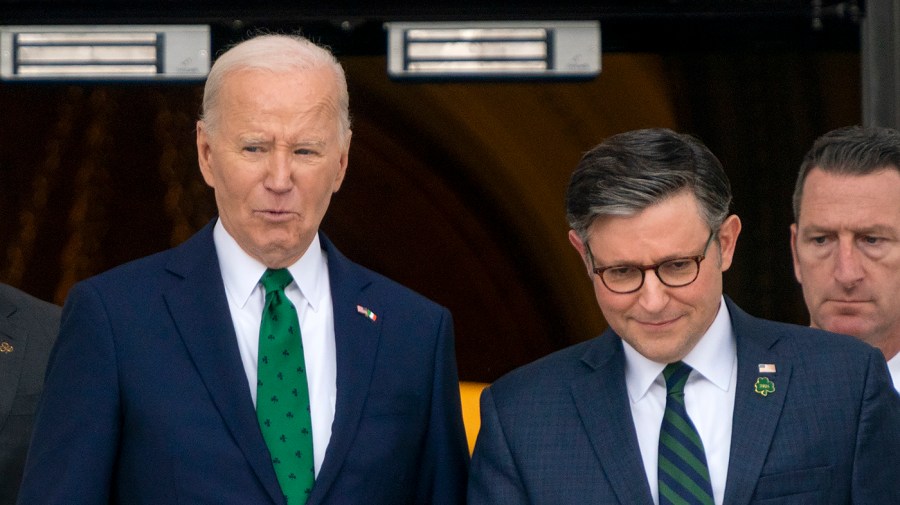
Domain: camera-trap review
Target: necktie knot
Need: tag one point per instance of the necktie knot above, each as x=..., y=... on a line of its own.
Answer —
x=276, y=280
x=676, y=375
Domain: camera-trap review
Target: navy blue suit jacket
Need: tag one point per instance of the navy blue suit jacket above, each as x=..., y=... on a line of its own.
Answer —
x=146, y=400
x=560, y=430
x=28, y=327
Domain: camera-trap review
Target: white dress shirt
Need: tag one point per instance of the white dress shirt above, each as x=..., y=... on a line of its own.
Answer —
x=894, y=368
x=311, y=295
x=708, y=398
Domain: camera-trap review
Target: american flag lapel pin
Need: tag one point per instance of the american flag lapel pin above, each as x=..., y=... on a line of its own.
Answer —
x=764, y=385
x=366, y=312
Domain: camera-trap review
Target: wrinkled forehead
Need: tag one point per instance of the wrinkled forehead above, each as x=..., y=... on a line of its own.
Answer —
x=296, y=81
x=292, y=97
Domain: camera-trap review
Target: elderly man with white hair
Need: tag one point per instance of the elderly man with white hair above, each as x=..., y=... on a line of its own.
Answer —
x=254, y=364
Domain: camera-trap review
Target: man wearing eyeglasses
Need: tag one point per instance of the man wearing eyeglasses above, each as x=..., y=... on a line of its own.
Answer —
x=685, y=399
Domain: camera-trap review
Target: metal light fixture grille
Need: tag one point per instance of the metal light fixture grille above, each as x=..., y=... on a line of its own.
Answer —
x=79, y=53
x=104, y=52
x=486, y=49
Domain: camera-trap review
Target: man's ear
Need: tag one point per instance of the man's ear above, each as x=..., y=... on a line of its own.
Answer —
x=797, y=273
x=582, y=249
x=203, y=154
x=728, y=235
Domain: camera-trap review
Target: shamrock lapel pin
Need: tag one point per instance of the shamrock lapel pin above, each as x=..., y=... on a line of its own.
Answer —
x=764, y=386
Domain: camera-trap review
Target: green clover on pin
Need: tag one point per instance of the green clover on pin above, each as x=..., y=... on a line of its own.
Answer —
x=764, y=386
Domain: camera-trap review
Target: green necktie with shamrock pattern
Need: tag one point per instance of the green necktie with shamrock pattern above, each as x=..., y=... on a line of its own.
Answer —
x=282, y=393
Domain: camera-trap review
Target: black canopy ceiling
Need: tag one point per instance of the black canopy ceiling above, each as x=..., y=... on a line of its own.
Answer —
x=356, y=26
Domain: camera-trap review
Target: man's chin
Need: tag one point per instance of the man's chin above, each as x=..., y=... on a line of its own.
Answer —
x=853, y=325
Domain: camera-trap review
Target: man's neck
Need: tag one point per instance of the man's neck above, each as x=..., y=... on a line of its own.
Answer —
x=890, y=347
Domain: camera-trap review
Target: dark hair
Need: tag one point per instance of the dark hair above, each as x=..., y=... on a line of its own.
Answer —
x=853, y=150
x=632, y=171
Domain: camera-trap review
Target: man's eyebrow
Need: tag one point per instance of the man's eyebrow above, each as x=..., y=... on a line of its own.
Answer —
x=815, y=229
x=660, y=261
x=309, y=142
x=877, y=229
x=253, y=137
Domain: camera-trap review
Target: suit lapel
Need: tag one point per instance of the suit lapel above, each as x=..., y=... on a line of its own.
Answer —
x=602, y=402
x=199, y=307
x=356, y=344
x=755, y=416
x=15, y=337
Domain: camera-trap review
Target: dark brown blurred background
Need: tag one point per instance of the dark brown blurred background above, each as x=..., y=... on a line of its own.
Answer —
x=454, y=188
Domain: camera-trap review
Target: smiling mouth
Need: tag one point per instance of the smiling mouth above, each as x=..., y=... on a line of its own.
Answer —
x=658, y=324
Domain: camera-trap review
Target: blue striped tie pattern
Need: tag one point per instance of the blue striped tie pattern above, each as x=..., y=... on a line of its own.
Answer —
x=683, y=474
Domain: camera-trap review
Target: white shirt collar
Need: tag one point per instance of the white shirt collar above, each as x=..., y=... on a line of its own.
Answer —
x=712, y=357
x=894, y=368
x=241, y=272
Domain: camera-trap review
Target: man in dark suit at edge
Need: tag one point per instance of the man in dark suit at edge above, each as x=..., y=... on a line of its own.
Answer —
x=28, y=328
x=845, y=239
x=685, y=398
x=254, y=363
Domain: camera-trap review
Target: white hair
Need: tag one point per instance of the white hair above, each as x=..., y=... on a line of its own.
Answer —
x=278, y=53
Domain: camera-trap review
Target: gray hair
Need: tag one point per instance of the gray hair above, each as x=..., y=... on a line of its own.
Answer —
x=632, y=171
x=853, y=150
x=278, y=53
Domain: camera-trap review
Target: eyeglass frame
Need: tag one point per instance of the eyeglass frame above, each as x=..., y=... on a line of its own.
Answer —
x=698, y=258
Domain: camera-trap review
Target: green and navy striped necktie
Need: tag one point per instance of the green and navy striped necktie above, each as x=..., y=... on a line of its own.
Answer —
x=683, y=474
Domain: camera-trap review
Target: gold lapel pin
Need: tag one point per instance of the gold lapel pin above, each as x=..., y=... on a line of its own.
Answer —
x=6, y=347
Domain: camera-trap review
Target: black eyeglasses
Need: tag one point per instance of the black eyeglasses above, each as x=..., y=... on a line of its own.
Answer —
x=674, y=273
